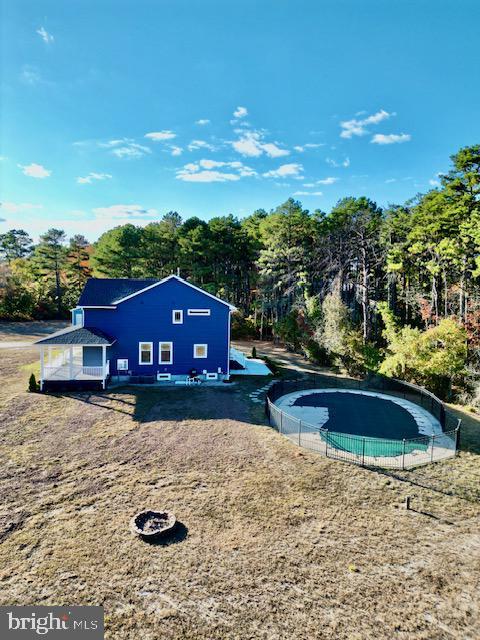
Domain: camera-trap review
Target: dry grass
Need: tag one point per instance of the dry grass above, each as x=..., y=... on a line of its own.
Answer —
x=276, y=542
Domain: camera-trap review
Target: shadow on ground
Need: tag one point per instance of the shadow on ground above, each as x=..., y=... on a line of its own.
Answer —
x=175, y=404
x=174, y=536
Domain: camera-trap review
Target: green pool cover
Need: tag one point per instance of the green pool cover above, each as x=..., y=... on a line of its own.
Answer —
x=366, y=425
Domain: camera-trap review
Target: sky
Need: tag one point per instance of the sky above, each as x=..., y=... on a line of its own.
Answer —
x=118, y=111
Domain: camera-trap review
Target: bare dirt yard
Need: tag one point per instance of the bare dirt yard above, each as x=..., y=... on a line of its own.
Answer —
x=274, y=542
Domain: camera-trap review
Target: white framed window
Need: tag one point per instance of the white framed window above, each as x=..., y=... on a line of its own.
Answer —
x=198, y=312
x=200, y=350
x=212, y=376
x=177, y=316
x=164, y=376
x=145, y=353
x=165, y=352
x=122, y=364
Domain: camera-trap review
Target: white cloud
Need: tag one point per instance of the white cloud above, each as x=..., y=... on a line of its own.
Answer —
x=131, y=151
x=93, y=176
x=434, y=183
x=46, y=37
x=35, y=170
x=30, y=75
x=18, y=207
x=392, y=138
x=390, y=180
x=251, y=144
x=206, y=170
x=116, y=211
x=333, y=163
x=248, y=145
x=176, y=151
x=125, y=148
x=292, y=169
x=309, y=145
x=356, y=127
x=308, y=193
x=200, y=144
x=329, y=180
x=207, y=176
x=240, y=112
x=202, y=122
x=160, y=135
x=273, y=151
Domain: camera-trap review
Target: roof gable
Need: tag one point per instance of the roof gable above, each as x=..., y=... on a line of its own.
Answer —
x=100, y=292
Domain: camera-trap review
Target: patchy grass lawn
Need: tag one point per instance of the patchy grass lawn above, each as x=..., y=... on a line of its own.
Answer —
x=276, y=542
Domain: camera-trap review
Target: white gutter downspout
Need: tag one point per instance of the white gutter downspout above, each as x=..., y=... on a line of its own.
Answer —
x=228, y=355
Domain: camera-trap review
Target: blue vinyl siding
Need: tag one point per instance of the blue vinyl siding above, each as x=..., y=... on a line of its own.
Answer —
x=147, y=317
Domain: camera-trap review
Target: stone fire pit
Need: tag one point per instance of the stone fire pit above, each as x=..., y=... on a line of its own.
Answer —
x=151, y=525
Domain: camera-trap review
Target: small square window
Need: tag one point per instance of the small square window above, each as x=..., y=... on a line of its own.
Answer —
x=145, y=352
x=177, y=316
x=200, y=350
x=166, y=353
x=122, y=364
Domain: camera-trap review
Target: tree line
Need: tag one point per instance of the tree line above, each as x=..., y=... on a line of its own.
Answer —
x=395, y=289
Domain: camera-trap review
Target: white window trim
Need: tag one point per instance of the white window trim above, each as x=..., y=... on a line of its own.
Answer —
x=199, y=312
x=180, y=311
x=164, y=377
x=160, y=352
x=140, y=353
x=195, y=351
x=122, y=360
x=212, y=376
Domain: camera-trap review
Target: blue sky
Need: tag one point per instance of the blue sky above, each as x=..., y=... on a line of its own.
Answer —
x=115, y=111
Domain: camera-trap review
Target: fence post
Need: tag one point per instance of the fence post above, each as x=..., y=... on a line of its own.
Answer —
x=326, y=443
x=299, y=433
x=433, y=445
x=403, y=454
x=281, y=420
x=363, y=451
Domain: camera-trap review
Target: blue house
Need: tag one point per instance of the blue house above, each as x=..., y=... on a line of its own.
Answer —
x=139, y=331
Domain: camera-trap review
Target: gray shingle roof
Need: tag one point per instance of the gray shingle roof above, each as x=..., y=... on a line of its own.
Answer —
x=101, y=292
x=77, y=336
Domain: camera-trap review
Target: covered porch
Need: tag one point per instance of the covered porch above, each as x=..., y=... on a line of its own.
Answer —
x=74, y=354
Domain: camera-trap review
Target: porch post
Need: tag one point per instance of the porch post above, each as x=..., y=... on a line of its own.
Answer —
x=42, y=354
x=71, y=363
x=49, y=356
x=104, y=365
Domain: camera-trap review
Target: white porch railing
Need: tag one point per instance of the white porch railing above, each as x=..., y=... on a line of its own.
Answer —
x=75, y=372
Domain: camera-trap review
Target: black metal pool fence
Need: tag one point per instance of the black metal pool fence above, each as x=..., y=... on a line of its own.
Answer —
x=364, y=450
